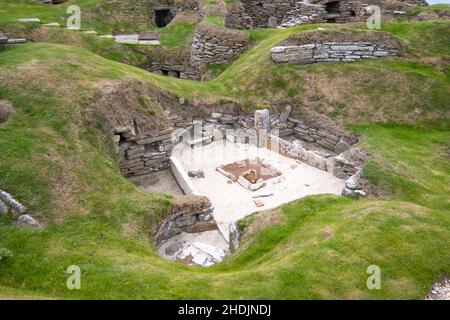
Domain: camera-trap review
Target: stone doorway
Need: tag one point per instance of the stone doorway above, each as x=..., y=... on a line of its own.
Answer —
x=333, y=9
x=163, y=16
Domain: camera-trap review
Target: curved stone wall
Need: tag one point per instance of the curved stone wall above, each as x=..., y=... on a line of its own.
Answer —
x=216, y=45
x=248, y=14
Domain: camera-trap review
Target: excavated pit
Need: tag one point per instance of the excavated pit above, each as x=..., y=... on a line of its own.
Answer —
x=241, y=165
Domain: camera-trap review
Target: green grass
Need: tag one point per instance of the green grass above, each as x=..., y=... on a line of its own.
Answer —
x=99, y=15
x=216, y=20
x=412, y=164
x=57, y=158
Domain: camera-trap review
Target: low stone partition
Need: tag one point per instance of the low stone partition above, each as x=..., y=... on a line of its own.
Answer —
x=330, y=52
x=296, y=151
x=237, y=18
x=216, y=45
x=187, y=214
x=182, y=177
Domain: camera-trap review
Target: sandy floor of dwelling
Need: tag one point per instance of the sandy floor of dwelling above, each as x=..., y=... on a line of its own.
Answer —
x=162, y=182
x=231, y=201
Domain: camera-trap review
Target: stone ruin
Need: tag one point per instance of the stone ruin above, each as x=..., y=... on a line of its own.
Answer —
x=211, y=45
x=331, y=52
x=205, y=234
x=248, y=14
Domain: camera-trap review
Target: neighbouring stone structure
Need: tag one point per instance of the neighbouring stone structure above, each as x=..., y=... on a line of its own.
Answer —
x=216, y=45
x=164, y=12
x=190, y=215
x=330, y=52
x=176, y=70
x=211, y=45
x=248, y=14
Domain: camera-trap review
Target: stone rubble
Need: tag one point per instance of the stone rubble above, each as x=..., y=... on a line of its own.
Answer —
x=440, y=290
x=9, y=203
x=28, y=221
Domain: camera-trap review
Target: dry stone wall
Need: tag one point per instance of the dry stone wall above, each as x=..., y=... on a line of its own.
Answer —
x=141, y=155
x=192, y=215
x=248, y=14
x=215, y=45
x=182, y=71
x=330, y=52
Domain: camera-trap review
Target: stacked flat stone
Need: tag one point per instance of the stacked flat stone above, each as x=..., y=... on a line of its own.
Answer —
x=248, y=14
x=9, y=203
x=176, y=70
x=349, y=163
x=186, y=221
x=141, y=155
x=214, y=45
x=330, y=52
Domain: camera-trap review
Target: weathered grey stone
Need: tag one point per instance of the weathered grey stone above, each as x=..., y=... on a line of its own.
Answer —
x=353, y=181
x=341, y=146
x=234, y=237
x=12, y=203
x=3, y=207
x=185, y=220
x=132, y=152
x=285, y=114
x=324, y=53
x=197, y=173
x=28, y=221
x=151, y=140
